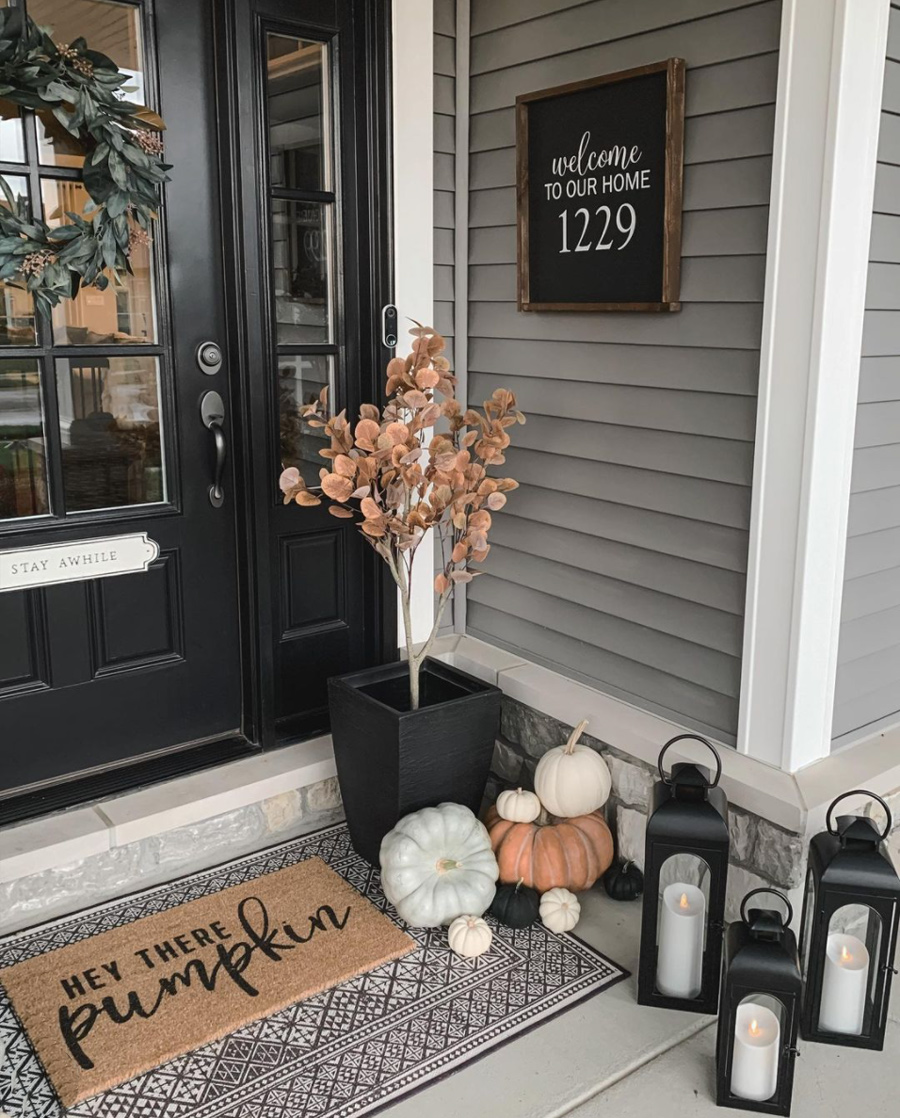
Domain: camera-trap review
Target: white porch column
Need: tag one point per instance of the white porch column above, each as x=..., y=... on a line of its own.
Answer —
x=831, y=70
x=413, y=110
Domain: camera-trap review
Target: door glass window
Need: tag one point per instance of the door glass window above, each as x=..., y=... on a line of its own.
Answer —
x=302, y=211
x=12, y=139
x=298, y=114
x=16, y=305
x=110, y=431
x=300, y=380
x=111, y=27
x=300, y=255
x=124, y=311
x=23, y=473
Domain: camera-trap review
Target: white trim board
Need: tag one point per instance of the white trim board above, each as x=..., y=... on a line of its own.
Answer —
x=413, y=161
x=828, y=109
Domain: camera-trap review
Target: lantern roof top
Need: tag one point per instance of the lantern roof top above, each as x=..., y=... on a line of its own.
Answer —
x=688, y=809
x=854, y=856
x=762, y=953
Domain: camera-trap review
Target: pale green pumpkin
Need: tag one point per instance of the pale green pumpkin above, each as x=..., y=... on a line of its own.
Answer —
x=438, y=864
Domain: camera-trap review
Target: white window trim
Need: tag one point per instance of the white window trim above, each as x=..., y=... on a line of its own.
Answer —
x=831, y=68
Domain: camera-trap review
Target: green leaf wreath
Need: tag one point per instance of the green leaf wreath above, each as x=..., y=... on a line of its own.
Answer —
x=80, y=90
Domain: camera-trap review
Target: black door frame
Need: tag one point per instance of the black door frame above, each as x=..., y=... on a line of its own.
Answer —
x=373, y=182
x=253, y=490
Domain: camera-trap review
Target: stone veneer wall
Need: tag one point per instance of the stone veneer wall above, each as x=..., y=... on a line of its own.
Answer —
x=761, y=852
x=164, y=857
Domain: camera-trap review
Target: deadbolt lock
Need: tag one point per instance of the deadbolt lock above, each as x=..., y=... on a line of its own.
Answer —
x=209, y=357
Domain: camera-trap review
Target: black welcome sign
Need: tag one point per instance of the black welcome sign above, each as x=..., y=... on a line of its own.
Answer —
x=599, y=170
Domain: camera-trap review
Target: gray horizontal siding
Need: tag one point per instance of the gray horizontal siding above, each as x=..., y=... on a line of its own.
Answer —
x=867, y=688
x=621, y=558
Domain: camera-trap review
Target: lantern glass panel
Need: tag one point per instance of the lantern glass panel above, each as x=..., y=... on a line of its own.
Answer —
x=809, y=919
x=852, y=950
x=683, y=905
x=758, y=1029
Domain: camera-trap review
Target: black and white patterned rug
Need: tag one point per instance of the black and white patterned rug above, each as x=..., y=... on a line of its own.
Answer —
x=346, y=1052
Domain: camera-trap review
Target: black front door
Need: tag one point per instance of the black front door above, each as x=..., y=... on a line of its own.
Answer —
x=101, y=436
x=272, y=244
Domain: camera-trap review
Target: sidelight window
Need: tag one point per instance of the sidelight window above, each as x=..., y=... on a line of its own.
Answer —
x=302, y=206
x=82, y=389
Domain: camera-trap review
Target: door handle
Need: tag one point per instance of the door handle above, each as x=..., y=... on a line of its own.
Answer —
x=212, y=412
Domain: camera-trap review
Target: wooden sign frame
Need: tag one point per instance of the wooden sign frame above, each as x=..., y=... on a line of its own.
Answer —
x=674, y=177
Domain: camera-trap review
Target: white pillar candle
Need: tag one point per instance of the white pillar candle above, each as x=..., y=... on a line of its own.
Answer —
x=679, y=965
x=845, y=981
x=754, y=1065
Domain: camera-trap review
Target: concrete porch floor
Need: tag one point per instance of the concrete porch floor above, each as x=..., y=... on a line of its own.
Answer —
x=610, y=1056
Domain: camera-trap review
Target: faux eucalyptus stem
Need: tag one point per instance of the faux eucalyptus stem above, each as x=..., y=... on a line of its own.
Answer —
x=398, y=477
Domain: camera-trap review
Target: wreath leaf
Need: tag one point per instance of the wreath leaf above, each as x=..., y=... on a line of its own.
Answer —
x=80, y=89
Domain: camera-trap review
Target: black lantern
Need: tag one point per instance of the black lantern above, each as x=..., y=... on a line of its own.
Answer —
x=851, y=918
x=685, y=871
x=760, y=1011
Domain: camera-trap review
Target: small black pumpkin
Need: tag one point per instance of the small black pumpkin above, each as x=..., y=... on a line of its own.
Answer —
x=623, y=881
x=516, y=906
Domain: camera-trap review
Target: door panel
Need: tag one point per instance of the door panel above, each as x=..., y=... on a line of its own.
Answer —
x=313, y=118
x=104, y=415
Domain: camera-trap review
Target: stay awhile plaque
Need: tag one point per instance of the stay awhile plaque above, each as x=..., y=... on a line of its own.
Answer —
x=76, y=560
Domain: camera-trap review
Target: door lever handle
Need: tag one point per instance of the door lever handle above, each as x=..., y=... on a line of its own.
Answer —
x=212, y=412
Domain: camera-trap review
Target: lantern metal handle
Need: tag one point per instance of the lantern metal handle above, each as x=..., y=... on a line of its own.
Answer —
x=860, y=792
x=690, y=737
x=775, y=893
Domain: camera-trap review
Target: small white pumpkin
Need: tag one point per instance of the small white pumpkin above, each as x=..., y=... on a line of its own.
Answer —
x=572, y=779
x=469, y=936
x=518, y=806
x=560, y=910
x=437, y=864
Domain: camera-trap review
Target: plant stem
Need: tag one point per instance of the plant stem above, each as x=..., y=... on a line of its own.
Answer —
x=398, y=570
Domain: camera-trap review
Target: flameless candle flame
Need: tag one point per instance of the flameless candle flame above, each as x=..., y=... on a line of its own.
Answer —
x=684, y=902
x=846, y=957
x=754, y=1027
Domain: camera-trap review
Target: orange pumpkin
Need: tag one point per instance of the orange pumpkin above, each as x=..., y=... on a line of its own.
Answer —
x=563, y=853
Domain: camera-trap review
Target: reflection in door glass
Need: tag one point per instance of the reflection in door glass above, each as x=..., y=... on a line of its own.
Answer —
x=297, y=77
x=124, y=311
x=23, y=446
x=16, y=305
x=12, y=140
x=110, y=27
x=109, y=421
x=300, y=380
x=300, y=253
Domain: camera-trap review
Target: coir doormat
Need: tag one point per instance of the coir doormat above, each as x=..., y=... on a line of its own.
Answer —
x=344, y=1052
x=122, y=1002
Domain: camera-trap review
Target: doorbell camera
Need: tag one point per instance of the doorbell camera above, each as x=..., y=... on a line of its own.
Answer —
x=389, y=326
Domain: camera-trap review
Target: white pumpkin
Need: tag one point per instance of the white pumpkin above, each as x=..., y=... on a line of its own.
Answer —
x=518, y=806
x=572, y=779
x=437, y=864
x=469, y=936
x=560, y=910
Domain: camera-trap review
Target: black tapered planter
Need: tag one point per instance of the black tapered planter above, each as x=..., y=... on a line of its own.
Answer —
x=392, y=760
